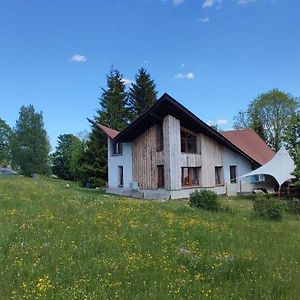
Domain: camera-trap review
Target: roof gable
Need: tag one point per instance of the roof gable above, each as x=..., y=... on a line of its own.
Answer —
x=109, y=132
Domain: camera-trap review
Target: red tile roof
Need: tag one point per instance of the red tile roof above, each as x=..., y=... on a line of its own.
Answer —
x=111, y=133
x=251, y=144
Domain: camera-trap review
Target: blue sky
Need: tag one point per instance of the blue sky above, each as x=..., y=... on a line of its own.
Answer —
x=213, y=56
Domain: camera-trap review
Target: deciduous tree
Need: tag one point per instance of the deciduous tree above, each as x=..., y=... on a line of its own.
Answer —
x=5, y=149
x=269, y=115
x=30, y=145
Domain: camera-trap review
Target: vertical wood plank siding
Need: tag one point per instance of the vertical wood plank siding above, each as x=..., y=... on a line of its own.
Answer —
x=172, y=150
x=211, y=157
x=145, y=159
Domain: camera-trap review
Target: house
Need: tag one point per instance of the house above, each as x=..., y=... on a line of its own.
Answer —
x=169, y=152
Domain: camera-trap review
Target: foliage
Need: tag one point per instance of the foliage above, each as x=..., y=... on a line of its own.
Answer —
x=142, y=94
x=204, y=199
x=269, y=115
x=30, y=145
x=67, y=157
x=5, y=151
x=296, y=172
x=293, y=206
x=113, y=113
x=59, y=243
x=269, y=208
x=292, y=136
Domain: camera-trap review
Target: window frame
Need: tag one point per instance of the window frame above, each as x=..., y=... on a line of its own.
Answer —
x=117, y=149
x=233, y=179
x=220, y=172
x=184, y=141
x=190, y=171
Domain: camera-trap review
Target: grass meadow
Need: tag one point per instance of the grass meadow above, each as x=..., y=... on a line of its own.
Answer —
x=59, y=243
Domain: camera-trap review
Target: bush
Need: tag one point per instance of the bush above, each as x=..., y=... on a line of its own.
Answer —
x=204, y=199
x=269, y=208
x=293, y=206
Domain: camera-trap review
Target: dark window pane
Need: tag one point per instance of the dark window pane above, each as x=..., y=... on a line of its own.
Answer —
x=233, y=174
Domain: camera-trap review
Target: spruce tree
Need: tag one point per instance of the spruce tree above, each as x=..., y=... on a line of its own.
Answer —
x=113, y=113
x=30, y=145
x=142, y=94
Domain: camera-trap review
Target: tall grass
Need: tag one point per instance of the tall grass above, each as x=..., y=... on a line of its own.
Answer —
x=59, y=243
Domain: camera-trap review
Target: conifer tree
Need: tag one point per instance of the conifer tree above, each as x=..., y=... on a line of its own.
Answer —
x=30, y=145
x=142, y=94
x=113, y=113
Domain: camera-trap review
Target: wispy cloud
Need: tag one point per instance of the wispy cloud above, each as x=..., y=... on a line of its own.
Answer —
x=204, y=20
x=218, y=122
x=222, y=122
x=78, y=58
x=177, y=2
x=127, y=81
x=189, y=75
x=244, y=2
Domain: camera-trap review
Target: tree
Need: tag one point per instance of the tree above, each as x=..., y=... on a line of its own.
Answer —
x=142, y=93
x=292, y=135
x=67, y=156
x=30, y=145
x=5, y=151
x=296, y=172
x=269, y=115
x=114, y=110
x=113, y=113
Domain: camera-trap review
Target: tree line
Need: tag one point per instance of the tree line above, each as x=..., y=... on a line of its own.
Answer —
x=274, y=115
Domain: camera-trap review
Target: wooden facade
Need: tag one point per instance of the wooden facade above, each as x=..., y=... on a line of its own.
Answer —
x=147, y=157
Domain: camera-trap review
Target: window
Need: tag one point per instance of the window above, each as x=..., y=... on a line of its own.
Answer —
x=190, y=176
x=232, y=174
x=219, y=178
x=188, y=142
x=161, y=176
x=117, y=148
x=257, y=178
x=121, y=176
x=160, y=139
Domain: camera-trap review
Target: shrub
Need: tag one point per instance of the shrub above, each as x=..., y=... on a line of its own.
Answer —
x=293, y=206
x=204, y=199
x=269, y=208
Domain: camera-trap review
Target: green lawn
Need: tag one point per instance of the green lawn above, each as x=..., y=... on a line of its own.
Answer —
x=59, y=243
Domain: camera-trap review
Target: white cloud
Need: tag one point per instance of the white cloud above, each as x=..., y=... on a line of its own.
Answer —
x=204, y=20
x=222, y=122
x=218, y=122
x=211, y=3
x=189, y=75
x=244, y=2
x=127, y=81
x=208, y=3
x=177, y=2
x=78, y=58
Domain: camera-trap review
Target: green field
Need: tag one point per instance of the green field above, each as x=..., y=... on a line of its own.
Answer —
x=59, y=243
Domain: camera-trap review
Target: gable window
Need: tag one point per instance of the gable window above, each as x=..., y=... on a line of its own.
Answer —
x=188, y=142
x=190, y=176
x=219, y=176
x=117, y=148
x=232, y=174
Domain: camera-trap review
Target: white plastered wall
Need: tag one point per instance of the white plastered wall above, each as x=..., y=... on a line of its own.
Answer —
x=243, y=166
x=114, y=161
